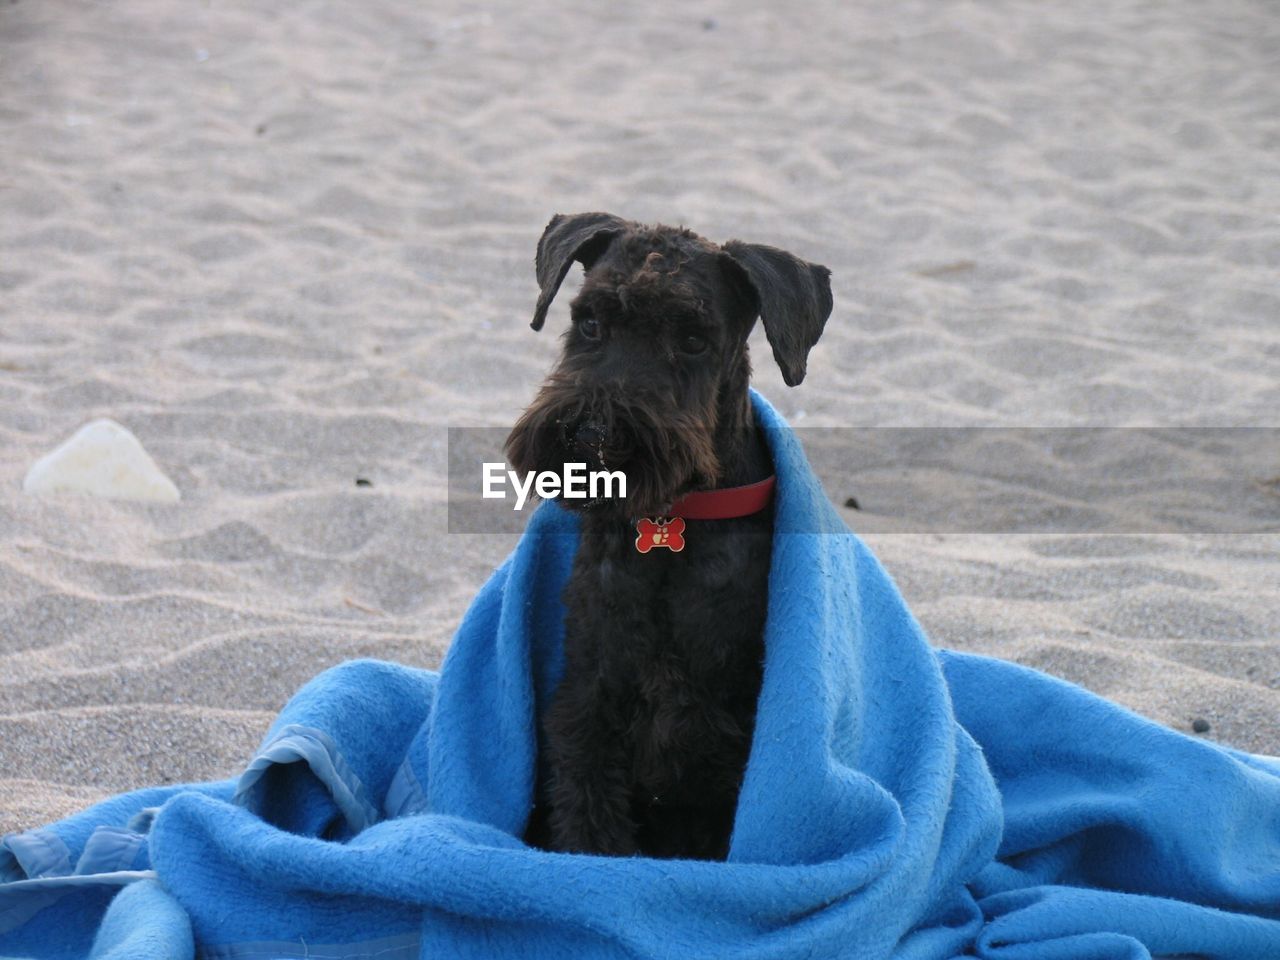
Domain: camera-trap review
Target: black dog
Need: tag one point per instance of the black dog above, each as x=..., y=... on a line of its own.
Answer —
x=647, y=736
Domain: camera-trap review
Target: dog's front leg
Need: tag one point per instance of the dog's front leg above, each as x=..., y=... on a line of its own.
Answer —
x=588, y=765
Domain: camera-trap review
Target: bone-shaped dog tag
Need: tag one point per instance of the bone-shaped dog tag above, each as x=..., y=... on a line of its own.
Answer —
x=660, y=532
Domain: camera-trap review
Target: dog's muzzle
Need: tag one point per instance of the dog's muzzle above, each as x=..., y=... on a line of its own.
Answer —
x=599, y=446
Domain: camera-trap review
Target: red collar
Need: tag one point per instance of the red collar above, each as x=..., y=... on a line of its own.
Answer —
x=726, y=503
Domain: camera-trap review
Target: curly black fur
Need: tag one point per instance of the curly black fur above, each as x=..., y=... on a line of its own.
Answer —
x=647, y=736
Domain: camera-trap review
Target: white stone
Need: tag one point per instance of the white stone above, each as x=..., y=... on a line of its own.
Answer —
x=102, y=459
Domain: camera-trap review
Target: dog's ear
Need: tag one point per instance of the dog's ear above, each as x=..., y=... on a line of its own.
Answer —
x=792, y=297
x=582, y=237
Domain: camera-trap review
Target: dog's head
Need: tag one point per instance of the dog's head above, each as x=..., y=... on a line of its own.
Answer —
x=655, y=366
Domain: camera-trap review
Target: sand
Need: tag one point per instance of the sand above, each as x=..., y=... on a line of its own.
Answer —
x=288, y=245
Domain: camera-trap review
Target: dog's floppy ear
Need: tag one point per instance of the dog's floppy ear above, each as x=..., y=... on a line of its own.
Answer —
x=581, y=236
x=793, y=298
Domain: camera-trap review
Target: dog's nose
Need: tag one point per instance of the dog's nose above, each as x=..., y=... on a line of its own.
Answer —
x=590, y=435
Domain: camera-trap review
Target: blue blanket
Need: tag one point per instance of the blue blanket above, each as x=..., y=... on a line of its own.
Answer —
x=899, y=802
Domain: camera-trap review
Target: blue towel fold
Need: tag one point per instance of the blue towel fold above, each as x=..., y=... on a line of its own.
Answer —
x=899, y=802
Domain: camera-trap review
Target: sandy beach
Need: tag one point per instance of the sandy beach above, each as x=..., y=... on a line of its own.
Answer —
x=289, y=245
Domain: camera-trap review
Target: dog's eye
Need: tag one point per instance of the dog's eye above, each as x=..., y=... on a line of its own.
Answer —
x=693, y=345
x=589, y=327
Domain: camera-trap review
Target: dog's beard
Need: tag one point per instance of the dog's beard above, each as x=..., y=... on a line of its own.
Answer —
x=664, y=451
